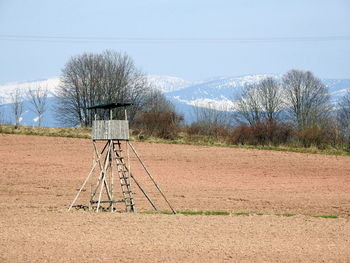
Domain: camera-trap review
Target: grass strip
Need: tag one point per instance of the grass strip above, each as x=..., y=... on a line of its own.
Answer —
x=183, y=139
x=334, y=217
x=222, y=213
x=242, y=214
x=84, y=133
x=226, y=213
x=287, y=215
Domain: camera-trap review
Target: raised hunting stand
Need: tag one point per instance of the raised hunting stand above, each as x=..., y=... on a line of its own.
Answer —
x=112, y=164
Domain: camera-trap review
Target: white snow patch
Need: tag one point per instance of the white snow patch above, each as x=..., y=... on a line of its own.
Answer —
x=167, y=83
x=222, y=105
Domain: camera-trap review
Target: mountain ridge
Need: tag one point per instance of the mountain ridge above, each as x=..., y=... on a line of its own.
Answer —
x=217, y=92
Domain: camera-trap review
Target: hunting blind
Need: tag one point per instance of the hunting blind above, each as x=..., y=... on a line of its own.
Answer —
x=111, y=164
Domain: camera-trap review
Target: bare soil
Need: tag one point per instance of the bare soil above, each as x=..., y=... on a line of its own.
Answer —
x=39, y=177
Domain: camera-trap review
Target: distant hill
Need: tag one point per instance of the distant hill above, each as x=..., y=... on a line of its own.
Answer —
x=218, y=92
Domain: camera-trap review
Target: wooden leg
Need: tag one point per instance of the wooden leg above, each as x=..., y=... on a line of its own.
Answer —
x=151, y=177
x=81, y=188
x=104, y=177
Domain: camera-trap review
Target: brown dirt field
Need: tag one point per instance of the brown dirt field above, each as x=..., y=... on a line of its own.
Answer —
x=39, y=177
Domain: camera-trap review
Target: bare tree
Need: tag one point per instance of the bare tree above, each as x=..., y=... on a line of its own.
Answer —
x=155, y=101
x=157, y=117
x=260, y=102
x=211, y=115
x=343, y=117
x=248, y=108
x=90, y=79
x=210, y=119
x=270, y=98
x=17, y=105
x=38, y=99
x=307, y=98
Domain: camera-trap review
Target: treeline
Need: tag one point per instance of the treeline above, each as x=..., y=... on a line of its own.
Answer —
x=296, y=111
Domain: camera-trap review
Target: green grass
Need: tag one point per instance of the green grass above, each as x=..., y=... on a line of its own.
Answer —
x=287, y=215
x=211, y=213
x=242, y=214
x=226, y=213
x=334, y=217
x=222, y=213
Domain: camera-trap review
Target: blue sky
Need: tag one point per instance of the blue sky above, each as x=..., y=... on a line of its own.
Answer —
x=189, y=39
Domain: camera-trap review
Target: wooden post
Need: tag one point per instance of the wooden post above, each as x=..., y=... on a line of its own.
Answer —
x=150, y=176
x=112, y=177
x=101, y=168
x=83, y=185
x=104, y=177
x=144, y=192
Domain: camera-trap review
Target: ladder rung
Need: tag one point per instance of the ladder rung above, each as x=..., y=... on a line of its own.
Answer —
x=124, y=178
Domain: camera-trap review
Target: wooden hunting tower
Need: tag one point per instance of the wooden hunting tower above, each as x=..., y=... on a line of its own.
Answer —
x=112, y=164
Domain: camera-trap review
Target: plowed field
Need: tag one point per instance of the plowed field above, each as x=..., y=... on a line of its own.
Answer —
x=39, y=177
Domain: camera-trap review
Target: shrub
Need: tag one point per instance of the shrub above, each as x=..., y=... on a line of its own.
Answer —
x=314, y=136
x=261, y=133
x=241, y=134
x=165, y=125
x=209, y=129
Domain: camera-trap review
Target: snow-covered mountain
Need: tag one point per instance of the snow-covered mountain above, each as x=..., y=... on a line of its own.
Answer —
x=216, y=93
x=7, y=89
x=337, y=87
x=219, y=93
x=167, y=83
x=28, y=117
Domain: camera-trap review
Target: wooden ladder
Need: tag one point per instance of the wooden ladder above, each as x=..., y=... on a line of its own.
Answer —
x=124, y=178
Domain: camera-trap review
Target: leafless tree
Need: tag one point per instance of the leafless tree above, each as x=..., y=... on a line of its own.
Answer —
x=270, y=98
x=38, y=98
x=17, y=105
x=260, y=102
x=307, y=98
x=211, y=115
x=210, y=119
x=248, y=108
x=90, y=79
x=157, y=117
x=155, y=101
x=343, y=117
